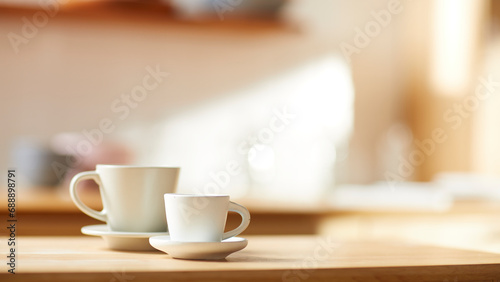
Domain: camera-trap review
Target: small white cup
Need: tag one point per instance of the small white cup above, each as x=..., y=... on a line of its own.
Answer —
x=201, y=218
x=131, y=196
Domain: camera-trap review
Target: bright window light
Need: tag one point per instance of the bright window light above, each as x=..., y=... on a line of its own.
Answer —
x=454, y=25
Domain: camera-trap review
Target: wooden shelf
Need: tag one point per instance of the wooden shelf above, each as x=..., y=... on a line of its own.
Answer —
x=57, y=200
x=148, y=12
x=50, y=211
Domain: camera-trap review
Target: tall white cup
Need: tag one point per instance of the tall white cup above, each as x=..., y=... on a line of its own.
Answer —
x=202, y=218
x=131, y=196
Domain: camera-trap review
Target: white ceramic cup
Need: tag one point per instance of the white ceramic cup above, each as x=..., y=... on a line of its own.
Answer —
x=131, y=196
x=202, y=218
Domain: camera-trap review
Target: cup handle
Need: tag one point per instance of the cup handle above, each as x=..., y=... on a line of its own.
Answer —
x=245, y=220
x=100, y=215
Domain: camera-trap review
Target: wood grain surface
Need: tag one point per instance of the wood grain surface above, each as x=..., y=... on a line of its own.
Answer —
x=267, y=258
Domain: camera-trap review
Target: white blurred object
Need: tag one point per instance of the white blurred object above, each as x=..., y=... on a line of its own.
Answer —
x=397, y=141
x=282, y=135
x=469, y=185
x=201, y=9
x=404, y=196
x=190, y=8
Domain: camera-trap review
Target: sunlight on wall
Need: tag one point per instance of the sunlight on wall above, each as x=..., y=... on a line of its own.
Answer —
x=278, y=138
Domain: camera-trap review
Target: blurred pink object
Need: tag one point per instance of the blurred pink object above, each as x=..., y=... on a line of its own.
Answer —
x=83, y=155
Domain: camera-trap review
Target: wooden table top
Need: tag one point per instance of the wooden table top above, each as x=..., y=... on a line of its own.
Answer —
x=266, y=258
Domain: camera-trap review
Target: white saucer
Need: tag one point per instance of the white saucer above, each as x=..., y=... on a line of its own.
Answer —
x=124, y=241
x=198, y=250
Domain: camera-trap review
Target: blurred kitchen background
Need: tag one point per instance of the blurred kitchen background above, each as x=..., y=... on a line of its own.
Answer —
x=380, y=104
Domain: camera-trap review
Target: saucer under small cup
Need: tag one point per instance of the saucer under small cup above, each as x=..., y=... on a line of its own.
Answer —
x=122, y=241
x=198, y=250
